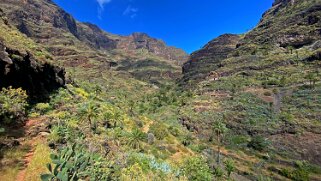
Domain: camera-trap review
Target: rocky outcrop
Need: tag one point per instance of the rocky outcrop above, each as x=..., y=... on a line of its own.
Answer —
x=289, y=24
x=23, y=70
x=158, y=47
x=203, y=61
x=283, y=2
x=48, y=24
x=95, y=37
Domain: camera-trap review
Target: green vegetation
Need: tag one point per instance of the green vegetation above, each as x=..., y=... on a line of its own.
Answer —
x=259, y=119
x=74, y=163
x=196, y=169
x=229, y=167
x=13, y=103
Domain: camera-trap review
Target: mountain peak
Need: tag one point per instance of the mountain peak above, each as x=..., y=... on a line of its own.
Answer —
x=283, y=2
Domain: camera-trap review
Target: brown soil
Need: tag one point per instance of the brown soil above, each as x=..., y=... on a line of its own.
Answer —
x=305, y=147
x=31, y=139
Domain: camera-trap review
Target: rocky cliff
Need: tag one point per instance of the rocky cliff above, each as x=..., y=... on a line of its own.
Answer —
x=294, y=23
x=48, y=24
x=210, y=56
x=24, y=64
x=19, y=69
x=288, y=25
x=158, y=47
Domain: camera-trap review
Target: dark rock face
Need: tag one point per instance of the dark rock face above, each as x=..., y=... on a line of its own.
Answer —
x=22, y=70
x=65, y=21
x=95, y=37
x=210, y=56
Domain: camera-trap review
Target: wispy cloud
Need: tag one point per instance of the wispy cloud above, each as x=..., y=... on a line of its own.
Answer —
x=102, y=3
x=101, y=7
x=130, y=11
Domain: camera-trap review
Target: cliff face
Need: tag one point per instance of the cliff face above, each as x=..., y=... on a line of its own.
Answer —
x=289, y=24
x=48, y=24
x=23, y=70
x=158, y=47
x=293, y=23
x=210, y=56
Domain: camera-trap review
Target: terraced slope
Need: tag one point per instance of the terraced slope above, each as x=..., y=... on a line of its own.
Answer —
x=264, y=86
x=76, y=44
x=287, y=28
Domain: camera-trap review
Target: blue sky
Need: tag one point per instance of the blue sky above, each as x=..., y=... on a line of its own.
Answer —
x=187, y=24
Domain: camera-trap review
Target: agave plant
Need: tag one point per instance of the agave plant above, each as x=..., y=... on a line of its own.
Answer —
x=69, y=164
x=75, y=163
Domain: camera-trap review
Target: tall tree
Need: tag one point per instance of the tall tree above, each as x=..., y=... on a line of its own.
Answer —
x=219, y=129
x=312, y=79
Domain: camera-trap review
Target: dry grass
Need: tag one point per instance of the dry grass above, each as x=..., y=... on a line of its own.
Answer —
x=38, y=163
x=12, y=163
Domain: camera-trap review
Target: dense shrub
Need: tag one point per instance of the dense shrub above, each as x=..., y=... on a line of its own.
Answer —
x=301, y=173
x=42, y=108
x=13, y=103
x=258, y=143
x=159, y=130
x=196, y=169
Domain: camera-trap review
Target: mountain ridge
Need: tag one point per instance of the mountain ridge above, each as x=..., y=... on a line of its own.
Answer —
x=47, y=16
x=287, y=24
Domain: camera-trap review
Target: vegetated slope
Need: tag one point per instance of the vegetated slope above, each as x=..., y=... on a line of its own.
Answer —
x=287, y=25
x=102, y=115
x=265, y=86
x=251, y=112
x=76, y=44
x=24, y=65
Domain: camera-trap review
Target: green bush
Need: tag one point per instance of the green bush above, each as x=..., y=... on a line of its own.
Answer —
x=218, y=172
x=42, y=108
x=196, y=169
x=13, y=103
x=159, y=130
x=229, y=166
x=135, y=139
x=16, y=57
x=258, y=143
x=301, y=173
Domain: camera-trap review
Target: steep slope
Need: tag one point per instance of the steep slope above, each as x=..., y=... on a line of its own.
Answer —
x=158, y=47
x=265, y=87
x=210, y=56
x=19, y=67
x=77, y=43
x=288, y=25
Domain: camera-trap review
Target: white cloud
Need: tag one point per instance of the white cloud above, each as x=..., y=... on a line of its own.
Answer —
x=130, y=11
x=103, y=2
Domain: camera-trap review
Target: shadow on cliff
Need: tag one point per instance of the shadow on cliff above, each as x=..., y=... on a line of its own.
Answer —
x=23, y=70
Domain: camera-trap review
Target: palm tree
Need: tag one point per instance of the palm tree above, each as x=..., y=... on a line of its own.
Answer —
x=229, y=167
x=290, y=49
x=135, y=138
x=219, y=129
x=312, y=79
x=89, y=112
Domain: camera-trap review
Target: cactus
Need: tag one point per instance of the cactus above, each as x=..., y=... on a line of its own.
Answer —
x=71, y=163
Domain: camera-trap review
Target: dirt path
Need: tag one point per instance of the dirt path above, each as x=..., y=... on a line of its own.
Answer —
x=33, y=134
